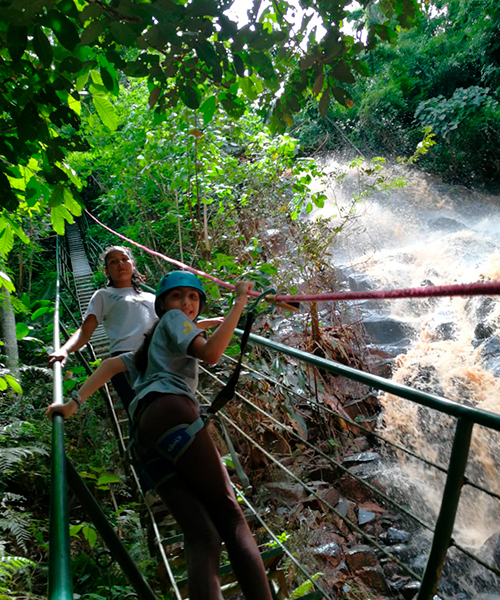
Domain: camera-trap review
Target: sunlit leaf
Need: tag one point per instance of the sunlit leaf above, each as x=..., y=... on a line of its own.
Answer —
x=208, y=109
x=106, y=112
x=108, y=478
x=58, y=216
x=14, y=384
x=90, y=535
x=22, y=330
x=41, y=311
x=6, y=282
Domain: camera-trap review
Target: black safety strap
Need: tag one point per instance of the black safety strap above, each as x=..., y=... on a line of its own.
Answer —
x=227, y=392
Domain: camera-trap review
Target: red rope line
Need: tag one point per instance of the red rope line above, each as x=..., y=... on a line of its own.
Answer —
x=467, y=289
x=463, y=289
x=167, y=258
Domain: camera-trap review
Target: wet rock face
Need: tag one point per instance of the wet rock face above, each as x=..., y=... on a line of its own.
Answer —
x=445, y=224
x=286, y=492
x=483, y=330
x=331, y=552
x=490, y=354
x=388, y=331
x=360, y=283
x=362, y=562
x=396, y=536
x=490, y=550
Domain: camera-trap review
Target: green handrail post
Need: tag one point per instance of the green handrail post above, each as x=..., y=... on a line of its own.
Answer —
x=60, y=586
x=449, y=504
x=108, y=534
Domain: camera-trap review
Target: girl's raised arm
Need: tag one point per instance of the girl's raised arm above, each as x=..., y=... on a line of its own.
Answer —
x=212, y=349
x=107, y=369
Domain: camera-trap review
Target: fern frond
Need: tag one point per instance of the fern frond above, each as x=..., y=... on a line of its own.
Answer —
x=10, y=565
x=18, y=524
x=10, y=457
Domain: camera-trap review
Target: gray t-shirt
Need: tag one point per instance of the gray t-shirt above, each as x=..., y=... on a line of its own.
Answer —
x=125, y=314
x=170, y=369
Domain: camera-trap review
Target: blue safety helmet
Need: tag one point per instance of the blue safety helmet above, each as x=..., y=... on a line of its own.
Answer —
x=177, y=279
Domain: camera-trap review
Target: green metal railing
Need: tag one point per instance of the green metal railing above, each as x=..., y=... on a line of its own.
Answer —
x=466, y=417
x=60, y=585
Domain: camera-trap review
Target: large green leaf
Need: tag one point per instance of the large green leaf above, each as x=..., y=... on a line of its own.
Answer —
x=208, y=109
x=324, y=102
x=91, y=33
x=123, y=34
x=14, y=384
x=153, y=96
x=42, y=47
x=107, y=79
x=22, y=330
x=41, y=311
x=58, y=216
x=108, y=478
x=64, y=29
x=190, y=95
x=342, y=73
x=106, y=111
x=6, y=241
x=6, y=282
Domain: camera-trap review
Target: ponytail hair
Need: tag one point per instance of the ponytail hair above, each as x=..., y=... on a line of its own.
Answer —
x=141, y=354
x=137, y=278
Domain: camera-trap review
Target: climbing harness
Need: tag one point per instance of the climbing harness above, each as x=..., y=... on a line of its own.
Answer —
x=171, y=446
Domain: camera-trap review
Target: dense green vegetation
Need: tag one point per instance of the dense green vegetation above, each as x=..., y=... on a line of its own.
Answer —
x=442, y=73
x=186, y=147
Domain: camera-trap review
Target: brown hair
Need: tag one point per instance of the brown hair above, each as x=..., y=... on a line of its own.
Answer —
x=137, y=278
x=141, y=354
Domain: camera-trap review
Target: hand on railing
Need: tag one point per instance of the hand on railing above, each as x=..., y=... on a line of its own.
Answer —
x=58, y=356
x=66, y=410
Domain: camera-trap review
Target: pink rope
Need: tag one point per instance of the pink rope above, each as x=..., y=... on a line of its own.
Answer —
x=168, y=259
x=467, y=289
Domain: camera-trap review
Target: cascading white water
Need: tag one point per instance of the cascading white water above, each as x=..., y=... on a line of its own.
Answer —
x=429, y=233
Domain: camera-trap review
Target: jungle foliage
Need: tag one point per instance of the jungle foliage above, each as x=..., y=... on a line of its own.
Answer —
x=58, y=55
x=150, y=115
x=442, y=73
x=152, y=182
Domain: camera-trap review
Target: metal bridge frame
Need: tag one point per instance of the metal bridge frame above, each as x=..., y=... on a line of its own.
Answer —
x=60, y=585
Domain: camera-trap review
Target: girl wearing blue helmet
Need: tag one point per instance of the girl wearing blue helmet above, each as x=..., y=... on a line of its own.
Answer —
x=171, y=443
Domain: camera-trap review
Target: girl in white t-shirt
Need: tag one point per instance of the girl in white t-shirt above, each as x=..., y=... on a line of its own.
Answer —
x=172, y=444
x=125, y=311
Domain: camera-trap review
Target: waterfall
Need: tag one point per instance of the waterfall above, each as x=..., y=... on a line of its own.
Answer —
x=427, y=233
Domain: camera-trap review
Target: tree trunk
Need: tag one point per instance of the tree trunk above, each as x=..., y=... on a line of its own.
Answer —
x=8, y=328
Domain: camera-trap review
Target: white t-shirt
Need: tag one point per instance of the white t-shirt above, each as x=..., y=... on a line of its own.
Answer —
x=125, y=314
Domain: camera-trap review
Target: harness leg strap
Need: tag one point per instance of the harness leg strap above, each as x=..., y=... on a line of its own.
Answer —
x=177, y=440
